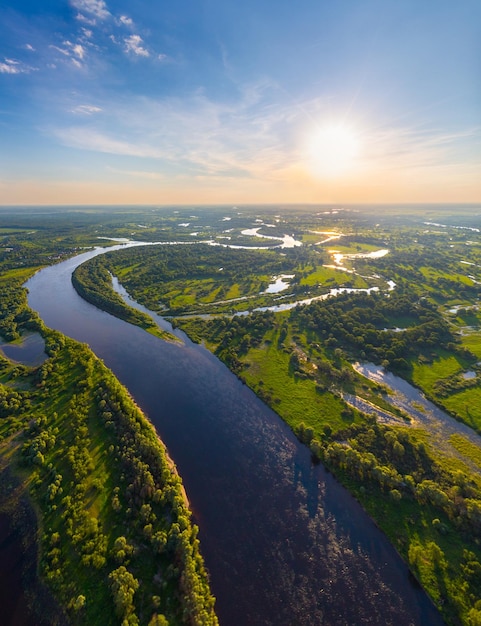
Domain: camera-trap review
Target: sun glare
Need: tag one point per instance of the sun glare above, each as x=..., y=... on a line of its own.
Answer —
x=332, y=151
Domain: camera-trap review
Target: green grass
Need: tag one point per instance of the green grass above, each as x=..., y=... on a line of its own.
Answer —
x=433, y=274
x=472, y=341
x=233, y=292
x=21, y=274
x=13, y=230
x=465, y=447
x=321, y=275
x=295, y=398
x=425, y=375
x=467, y=405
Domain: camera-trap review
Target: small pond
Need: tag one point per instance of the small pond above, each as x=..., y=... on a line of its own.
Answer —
x=29, y=350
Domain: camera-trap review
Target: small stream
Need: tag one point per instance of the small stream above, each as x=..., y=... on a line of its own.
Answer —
x=423, y=412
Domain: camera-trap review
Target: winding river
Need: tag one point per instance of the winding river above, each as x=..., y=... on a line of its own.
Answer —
x=285, y=544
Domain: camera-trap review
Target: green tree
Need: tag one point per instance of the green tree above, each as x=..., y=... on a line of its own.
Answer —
x=123, y=586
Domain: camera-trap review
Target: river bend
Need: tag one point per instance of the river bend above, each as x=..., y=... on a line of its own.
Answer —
x=285, y=544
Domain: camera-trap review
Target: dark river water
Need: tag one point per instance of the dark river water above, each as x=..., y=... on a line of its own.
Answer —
x=284, y=543
x=14, y=610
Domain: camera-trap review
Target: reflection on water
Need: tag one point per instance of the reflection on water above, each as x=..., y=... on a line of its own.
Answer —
x=287, y=241
x=422, y=411
x=29, y=351
x=279, y=284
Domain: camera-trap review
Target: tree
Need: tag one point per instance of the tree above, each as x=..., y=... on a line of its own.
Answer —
x=79, y=603
x=158, y=620
x=123, y=586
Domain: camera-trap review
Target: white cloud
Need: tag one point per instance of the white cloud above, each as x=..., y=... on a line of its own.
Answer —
x=126, y=21
x=134, y=44
x=97, y=8
x=86, y=20
x=29, y=47
x=252, y=137
x=10, y=66
x=86, y=109
x=74, y=51
x=91, y=139
x=61, y=50
x=78, y=50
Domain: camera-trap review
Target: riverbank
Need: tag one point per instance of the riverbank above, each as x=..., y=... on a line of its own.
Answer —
x=25, y=600
x=88, y=486
x=94, y=284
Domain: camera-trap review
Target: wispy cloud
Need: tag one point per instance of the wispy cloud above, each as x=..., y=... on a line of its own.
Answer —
x=29, y=47
x=91, y=139
x=126, y=21
x=417, y=147
x=76, y=52
x=86, y=20
x=255, y=137
x=86, y=109
x=97, y=8
x=11, y=66
x=134, y=45
x=196, y=135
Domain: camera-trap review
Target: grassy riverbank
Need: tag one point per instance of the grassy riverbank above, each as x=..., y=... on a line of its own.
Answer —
x=94, y=283
x=115, y=539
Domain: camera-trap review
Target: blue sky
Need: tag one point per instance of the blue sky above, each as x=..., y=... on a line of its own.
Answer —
x=212, y=101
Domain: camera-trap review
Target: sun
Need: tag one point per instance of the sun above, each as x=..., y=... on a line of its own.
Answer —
x=332, y=150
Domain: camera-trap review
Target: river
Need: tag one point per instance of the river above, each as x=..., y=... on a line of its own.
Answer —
x=422, y=412
x=285, y=544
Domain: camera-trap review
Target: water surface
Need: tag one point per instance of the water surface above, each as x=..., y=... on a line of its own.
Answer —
x=29, y=350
